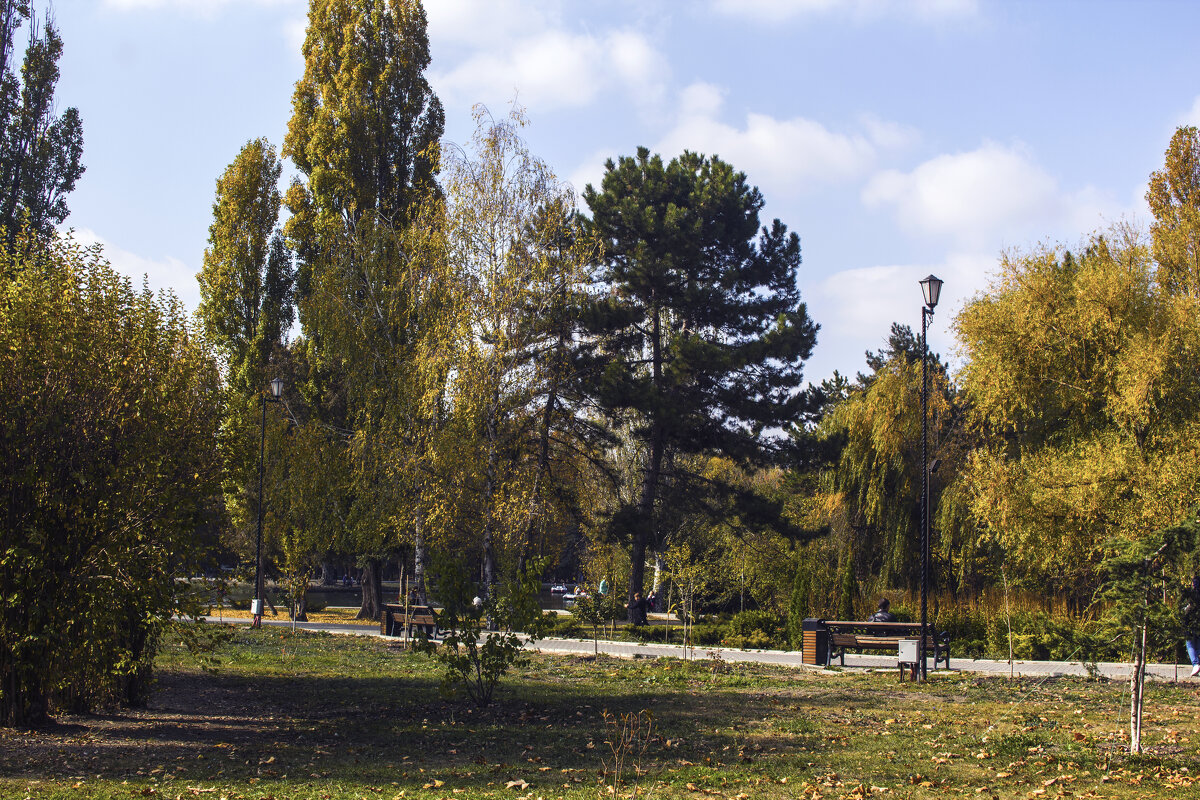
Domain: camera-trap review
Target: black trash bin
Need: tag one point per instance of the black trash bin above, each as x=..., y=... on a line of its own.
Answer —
x=816, y=642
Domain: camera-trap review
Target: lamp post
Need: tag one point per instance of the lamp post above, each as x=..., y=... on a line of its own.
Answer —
x=256, y=605
x=931, y=288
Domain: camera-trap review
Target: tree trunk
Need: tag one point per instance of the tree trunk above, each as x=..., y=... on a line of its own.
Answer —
x=536, y=506
x=328, y=574
x=489, y=493
x=372, y=590
x=646, y=523
x=301, y=614
x=1137, y=686
x=23, y=704
x=420, y=554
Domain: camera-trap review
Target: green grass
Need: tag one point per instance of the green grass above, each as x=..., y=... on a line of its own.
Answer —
x=332, y=718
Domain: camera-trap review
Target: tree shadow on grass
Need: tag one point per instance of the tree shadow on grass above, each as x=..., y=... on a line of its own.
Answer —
x=387, y=729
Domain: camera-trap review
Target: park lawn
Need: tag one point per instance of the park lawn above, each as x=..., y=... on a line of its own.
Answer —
x=336, y=717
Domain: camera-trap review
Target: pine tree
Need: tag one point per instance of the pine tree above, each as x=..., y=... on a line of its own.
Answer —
x=699, y=323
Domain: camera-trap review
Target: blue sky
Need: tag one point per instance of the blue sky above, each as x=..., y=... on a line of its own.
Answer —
x=897, y=138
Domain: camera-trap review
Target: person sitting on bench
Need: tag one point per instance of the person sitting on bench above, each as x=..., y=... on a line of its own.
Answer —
x=883, y=614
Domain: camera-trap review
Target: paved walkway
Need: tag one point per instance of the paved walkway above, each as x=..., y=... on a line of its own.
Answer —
x=792, y=658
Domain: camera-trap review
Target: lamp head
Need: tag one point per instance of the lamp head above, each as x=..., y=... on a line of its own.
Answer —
x=277, y=388
x=931, y=287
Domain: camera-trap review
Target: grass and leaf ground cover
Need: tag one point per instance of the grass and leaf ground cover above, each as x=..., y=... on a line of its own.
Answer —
x=336, y=717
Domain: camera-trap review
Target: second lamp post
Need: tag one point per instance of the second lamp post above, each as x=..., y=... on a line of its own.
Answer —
x=256, y=605
x=931, y=288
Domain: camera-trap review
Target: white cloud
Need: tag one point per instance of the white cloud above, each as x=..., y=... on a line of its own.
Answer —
x=294, y=30
x=859, y=10
x=164, y=273
x=889, y=135
x=500, y=48
x=556, y=69
x=293, y=26
x=785, y=156
x=856, y=307
x=482, y=23
x=641, y=67
x=988, y=197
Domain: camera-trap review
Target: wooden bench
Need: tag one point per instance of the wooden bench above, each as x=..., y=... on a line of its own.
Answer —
x=398, y=620
x=850, y=634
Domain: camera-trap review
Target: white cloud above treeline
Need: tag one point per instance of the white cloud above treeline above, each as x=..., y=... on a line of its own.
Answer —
x=558, y=69
x=1192, y=115
x=788, y=156
x=523, y=49
x=993, y=195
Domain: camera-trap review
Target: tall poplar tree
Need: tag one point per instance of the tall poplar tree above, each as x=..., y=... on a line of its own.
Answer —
x=40, y=151
x=365, y=124
x=247, y=307
x=247, y=281
x=364, y=133
x=699, y=321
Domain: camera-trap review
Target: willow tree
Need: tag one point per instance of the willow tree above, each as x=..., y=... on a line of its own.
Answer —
x=1080, y=371
x=364, y=133
x=872, y=493
x=699, y=323
x=1081, y=376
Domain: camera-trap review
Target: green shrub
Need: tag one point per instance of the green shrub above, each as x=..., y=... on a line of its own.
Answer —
x=759, y=630
x=565, y=627
x=968, y=629
x=481, y=643
x=710, y=633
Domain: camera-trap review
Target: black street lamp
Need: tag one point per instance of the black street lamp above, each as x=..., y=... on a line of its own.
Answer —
x=256, y=605
x=931, y=288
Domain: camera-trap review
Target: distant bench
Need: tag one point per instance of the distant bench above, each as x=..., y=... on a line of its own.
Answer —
x=852, y=635
x=398, y=619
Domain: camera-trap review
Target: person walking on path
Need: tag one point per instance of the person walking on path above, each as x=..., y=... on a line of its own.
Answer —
x=638, y=606
x=884, y=613
x=1189, y=605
